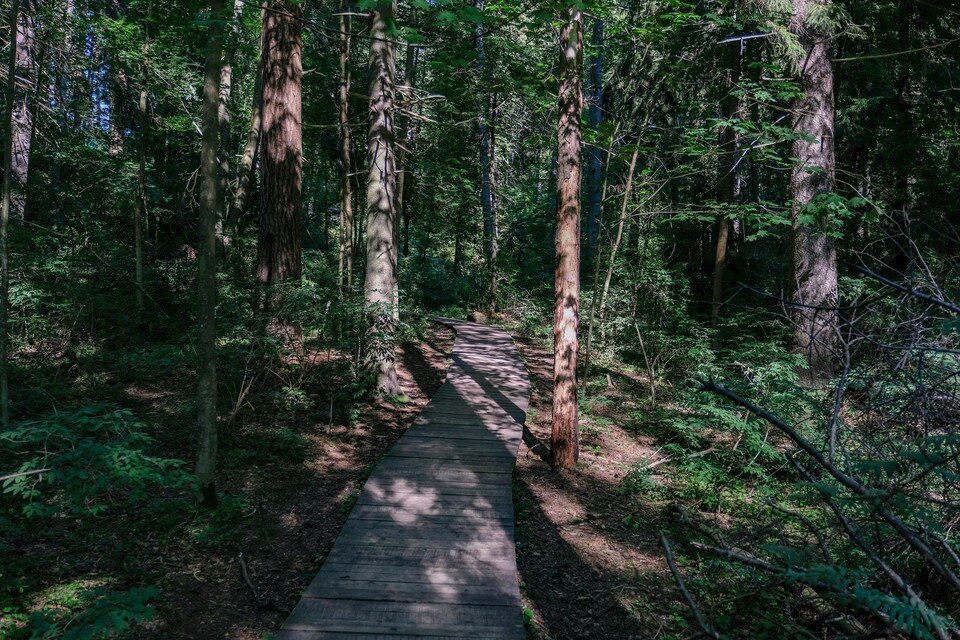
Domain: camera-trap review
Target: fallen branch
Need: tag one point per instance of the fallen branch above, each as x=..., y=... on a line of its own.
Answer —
x=704, y=625
x=20, y=474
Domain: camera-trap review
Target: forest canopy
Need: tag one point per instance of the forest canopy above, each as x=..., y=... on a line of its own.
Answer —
x=724, y=234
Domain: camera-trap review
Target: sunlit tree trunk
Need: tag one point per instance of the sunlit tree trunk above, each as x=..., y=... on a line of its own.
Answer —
x=245, y=166
x=728, y=182
x=487, y=135
x=211, y=202
x=594, y=151
x=345, y=254
x=22, y=133
x=814, y=265
x=281, y=158
x=223, y=115
x=381, y=215
x=565, y=437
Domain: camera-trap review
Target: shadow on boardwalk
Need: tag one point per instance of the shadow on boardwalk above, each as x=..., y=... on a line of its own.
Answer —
x=428, y=550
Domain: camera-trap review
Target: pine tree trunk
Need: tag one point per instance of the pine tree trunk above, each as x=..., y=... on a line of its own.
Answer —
x=279, y=246
x=381, y=215
x=594, y=152
x=814, y=265
x=487, y=136
x=345, y=254
x=22, y=133
x=728, y=183
x=565, y=437
x=210, y=205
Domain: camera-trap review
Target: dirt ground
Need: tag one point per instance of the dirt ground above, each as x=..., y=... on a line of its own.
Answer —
x=292, y=521
x=584, y=571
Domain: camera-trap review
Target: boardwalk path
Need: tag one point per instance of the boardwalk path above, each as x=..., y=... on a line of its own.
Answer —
x=428, y=550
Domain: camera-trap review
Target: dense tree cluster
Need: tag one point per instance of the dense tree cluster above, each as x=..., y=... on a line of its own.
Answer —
x=753, y=202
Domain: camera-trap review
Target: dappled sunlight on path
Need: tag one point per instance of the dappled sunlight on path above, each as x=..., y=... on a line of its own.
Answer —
x=428, y=550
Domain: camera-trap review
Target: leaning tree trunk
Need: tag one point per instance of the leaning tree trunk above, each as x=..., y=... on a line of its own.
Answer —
x=5, y=208
x=22, y=133
x=211, y=202
x=345, y=254
x=814, y=265
x=595, y=152
x=281, y=158
x=223, y=115
x=487, y=136
x=565, y=437
x=728, y=188
x=381, y=216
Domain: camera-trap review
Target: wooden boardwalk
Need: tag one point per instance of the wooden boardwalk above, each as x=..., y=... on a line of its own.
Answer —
x=428, y=550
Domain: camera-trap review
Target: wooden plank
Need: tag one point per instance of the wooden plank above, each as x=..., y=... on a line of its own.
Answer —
x=411, y=592
x=428, y=549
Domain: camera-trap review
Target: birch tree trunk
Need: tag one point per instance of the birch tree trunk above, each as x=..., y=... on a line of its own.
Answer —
x=279, y=245
x=211, y=202
x=565, y=437
x=406, y=95
x=345, y=254
x=814, y=265
x=487, y=135
x=381, y=215
x=22, y=132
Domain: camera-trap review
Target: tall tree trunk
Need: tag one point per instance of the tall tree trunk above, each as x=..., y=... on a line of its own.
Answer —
x=406, y=95
x=594, y=152
x=728, y=187
x=565, y=436
x=279, y=245
x=5, y=207
x=22, y=133
x=345, y=254
x=140, y=207
x=223, y=116
x=814, y=265
x=381, y=215
x=618, y=239
x=487, y=135
x=211, y=202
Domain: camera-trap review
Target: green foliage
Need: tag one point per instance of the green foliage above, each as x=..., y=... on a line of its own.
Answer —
x=89, y=459
x=91, y=613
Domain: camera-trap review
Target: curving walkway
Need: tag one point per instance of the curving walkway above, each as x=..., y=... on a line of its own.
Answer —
x=428, y=550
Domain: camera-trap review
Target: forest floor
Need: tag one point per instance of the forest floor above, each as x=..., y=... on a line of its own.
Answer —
x=590, y=562
x=288, y=476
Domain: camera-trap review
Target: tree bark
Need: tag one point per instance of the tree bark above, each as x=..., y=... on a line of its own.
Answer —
x=594, y=152
x=728, y=187
x=22, y=132
x=223, y=116
x=345, y=254
x=814, y=264
x=381, y=214
x=487, y=135
x=565, y=437
x=406, y=95
x=279, y=246
x=5, y=207
x=211, y=202
x=241, y=196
